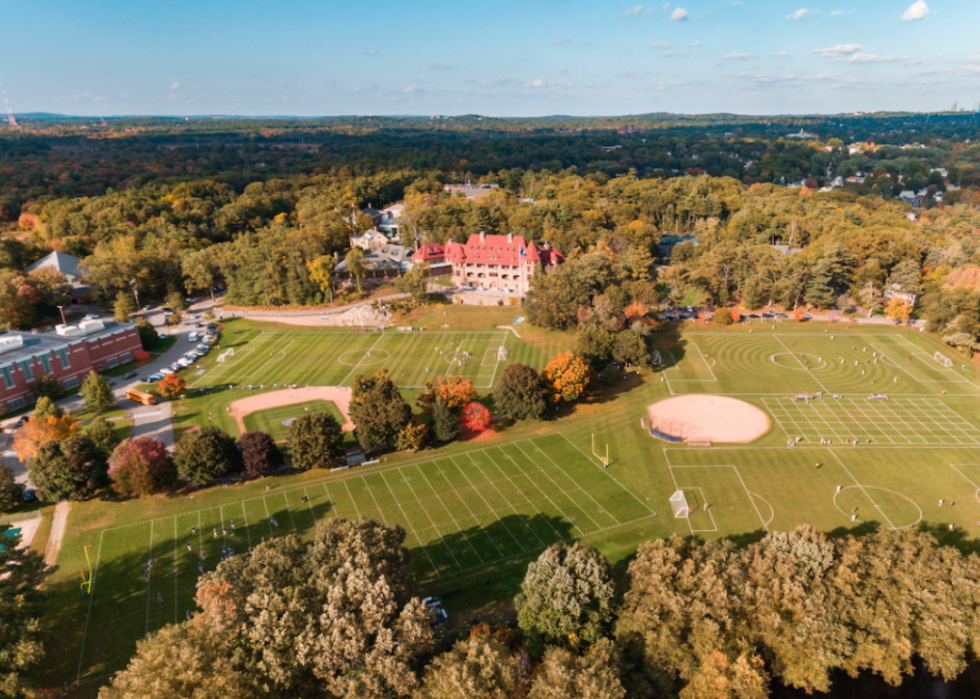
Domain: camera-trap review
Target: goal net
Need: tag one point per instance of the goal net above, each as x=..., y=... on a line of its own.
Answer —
x=501, y=353
x=657, y=359
x=678, y=504
x=945, y=361
x=230, y=352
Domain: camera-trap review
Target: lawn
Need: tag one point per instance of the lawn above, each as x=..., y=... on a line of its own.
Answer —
x=475, y=512
x=273, y=421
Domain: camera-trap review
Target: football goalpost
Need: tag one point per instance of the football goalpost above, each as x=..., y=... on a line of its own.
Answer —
x=230, y=352
x=678, y=503
x=944, y=360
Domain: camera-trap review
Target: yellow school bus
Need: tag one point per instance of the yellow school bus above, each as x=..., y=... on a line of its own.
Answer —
x=141, y=397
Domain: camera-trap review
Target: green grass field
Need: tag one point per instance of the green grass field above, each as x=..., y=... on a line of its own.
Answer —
x=273, y=420
x=477, y=511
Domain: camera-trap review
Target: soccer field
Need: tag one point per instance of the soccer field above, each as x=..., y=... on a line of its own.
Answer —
x=870, y=427
x=463, y=514
x=334, y=357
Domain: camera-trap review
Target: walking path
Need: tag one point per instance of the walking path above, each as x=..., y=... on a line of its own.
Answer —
x=57, y=533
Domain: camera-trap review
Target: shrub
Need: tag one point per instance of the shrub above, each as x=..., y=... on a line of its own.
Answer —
x=476, y=417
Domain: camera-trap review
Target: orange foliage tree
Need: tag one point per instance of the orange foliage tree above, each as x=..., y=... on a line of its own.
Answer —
x=566, y=376
x=898, y=309
x=171, y=386
x=476, y=417
x=41, y=430
x=457, y=391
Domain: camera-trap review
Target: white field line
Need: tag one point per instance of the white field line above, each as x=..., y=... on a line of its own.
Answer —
x=444, y=543
x=606, y=471
x=473, y=515
x=149, y=577
x=355, y=367
x=561, y=511
x=870, y=499
x=503, y=498
x=485, y=502
x=88, y=614
x=449, y=512
x=274, y=358
x=602, y=509
x=425, y=549
x=703, y=359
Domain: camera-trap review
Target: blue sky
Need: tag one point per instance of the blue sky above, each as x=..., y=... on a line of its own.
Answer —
x=504, y=58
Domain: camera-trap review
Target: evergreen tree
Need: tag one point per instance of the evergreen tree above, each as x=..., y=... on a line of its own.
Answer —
x=378, y=410
x=521, y=393
x=444, y=425
x=10, y=490
x=97, y=392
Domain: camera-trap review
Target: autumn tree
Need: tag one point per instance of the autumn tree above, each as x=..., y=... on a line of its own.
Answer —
x=141, y=466
x=595, y=345
x=171, y=386
x=457, y=391
x=481, y=668
x=284, y=607
x=596, y=674
x=567, y=597
x=45, y=408
x=521, y=393
x=182, y=660
x=260, y=455
x=123, y=307
x=898, y=309
x=69, y=469
x=476, y=417
x=413, y=436
x=206, y=454
x=97, y=393
x=566, y=377
x=321, y=271
x=315, y=440
x=378, y=410
x=101, y=432
x=38, y=431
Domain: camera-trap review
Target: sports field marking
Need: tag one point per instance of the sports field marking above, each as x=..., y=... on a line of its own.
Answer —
x=547, y=497
x=976, y=492
x=802, y=365
x=606, y=471
x=858, y=484
x=425, y=549
x=489, y=508
x=434, y=527
x=355, y=367
x=772, y=510
x=274, y=357
x=863, y=488
x=513, y=509
x=88, y=614
x=704, y=508
x=765, y=525
x=545, y=454
x=703, y=359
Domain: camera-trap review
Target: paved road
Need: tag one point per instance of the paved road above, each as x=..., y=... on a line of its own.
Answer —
x=154, y=421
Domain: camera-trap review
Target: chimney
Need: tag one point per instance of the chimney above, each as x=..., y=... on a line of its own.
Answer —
x=483, y=236
x=510, y=237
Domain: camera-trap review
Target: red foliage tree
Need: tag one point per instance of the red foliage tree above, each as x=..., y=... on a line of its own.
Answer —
x=476, y=417
x=171, y=386
x=140, y=467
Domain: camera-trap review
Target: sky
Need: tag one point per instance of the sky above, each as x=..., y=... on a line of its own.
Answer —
x=502, y=58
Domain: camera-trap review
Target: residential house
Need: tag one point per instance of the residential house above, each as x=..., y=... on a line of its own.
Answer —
x=371, y=240
x=68, y=265
x=470, y=191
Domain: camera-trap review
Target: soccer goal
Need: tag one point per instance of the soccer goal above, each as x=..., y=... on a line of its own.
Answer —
x=945, y=361
x=501, y=353
x=230, y=352
x=657, y=359
x=678, y=504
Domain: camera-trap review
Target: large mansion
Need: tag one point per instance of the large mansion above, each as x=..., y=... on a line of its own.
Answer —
x=499, y=262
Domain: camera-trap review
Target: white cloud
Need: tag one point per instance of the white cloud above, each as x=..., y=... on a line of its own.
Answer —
x=695, y=43
x=799, y=14
x=734, y=3
x=873, y=58
x=668, y=54
x=174, y=86
x=660, y=45
x=679, y=15
x=537, y=84
x=627, y=73
x=837, y=52
x=738, y=56
x=782, y=53
x=411, y=88
x=912, y=62
x=664, y=8
x=634, y=11
x=561, y=42
x=836, y=13
x=372, y=52
x=917, y=10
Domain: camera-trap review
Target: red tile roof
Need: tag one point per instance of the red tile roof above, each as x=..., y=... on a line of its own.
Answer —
x=429, y=252
x=500, y=249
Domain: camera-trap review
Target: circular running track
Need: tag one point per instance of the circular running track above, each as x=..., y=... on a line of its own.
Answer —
x=708, y=418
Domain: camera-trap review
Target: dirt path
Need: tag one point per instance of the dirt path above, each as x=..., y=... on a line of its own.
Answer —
x=291, y=396
x=57, y=533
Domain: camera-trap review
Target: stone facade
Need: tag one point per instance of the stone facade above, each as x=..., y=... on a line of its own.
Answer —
x=504, y=263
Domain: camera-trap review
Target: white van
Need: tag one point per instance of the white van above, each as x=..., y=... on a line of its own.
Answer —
x=192, y=337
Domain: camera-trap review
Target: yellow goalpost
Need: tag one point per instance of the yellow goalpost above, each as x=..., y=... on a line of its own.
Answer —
x=603, y=459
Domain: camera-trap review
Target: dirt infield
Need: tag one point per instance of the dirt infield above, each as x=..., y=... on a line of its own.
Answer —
x=708, y=418
x=291, y=396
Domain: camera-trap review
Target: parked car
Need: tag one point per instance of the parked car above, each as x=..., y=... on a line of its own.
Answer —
x=153, y=378
x=193, y=336
x=28, y=496
x=129, y=374
x=165, y=371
